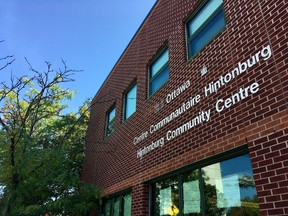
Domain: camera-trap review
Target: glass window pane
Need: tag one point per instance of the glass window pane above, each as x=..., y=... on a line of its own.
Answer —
x=159, y=63
x=116, y=207
x=127, y=204
x=203, y=15
x=207, y=33
x=130, y=100
x=167, y=197
x=110, y=127
x=112, y=114
x=191, y=194
x=229, y=188
x=160, y=80
x=110, y=121
x=107, y=207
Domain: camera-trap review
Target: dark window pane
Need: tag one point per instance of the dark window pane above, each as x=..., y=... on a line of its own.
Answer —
x=230, y=189
x=107, y=208
x=207, y=33
x=160, y=80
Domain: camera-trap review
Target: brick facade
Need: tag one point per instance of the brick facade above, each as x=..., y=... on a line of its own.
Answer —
x=259, y=121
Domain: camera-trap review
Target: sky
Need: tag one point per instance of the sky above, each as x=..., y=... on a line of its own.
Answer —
x=89, y=35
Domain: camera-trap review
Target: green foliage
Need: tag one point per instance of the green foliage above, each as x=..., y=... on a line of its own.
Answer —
x=42, y=150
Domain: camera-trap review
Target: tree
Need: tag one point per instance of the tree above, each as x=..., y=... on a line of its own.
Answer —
x=7, y=60
x=42, y=149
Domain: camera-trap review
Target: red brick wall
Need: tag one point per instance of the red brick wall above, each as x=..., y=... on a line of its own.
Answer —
x=269, y=156
x=260, y=120
x=140, y=204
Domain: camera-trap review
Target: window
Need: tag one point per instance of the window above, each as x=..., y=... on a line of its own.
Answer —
x=223, y=188
x=130, y=102
x=205, y=25
x=118, y=206
x=167, y=197
x=158, y=72
x=110, y=121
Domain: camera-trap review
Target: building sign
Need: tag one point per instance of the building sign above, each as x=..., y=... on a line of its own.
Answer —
x=202, y=116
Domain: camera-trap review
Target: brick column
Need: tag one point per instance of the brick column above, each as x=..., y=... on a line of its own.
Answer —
x=140, y=200
x=269, y=156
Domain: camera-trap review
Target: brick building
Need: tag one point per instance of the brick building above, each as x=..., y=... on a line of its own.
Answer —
x=192, y=120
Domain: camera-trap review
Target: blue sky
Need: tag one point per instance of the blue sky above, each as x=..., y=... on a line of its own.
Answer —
x=89, y=35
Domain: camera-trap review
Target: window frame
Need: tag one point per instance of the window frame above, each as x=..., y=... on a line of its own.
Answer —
x=134, y=84
x=111, y=200
x=204, y=24
x=108, y=122
x=197, y=167
x=159, y=72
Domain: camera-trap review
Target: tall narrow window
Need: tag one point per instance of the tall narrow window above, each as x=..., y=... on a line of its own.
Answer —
x=110, y=121
x=127, y=201
x=130, y=101
x=117, y=206
x=167, y=198
x=158, y=72
x=107, y=208
x=191, y=194
x=205, y=25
